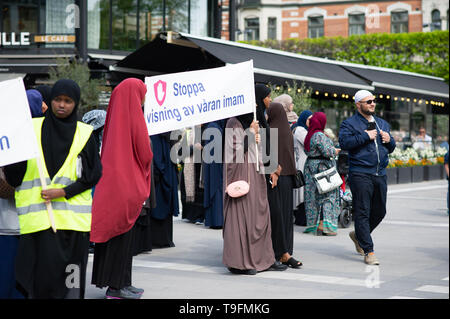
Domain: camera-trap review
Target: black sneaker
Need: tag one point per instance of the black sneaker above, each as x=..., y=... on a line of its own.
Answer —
x=242, y=271
x=121, y=294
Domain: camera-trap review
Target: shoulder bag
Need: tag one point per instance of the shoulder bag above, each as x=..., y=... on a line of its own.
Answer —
x=299, y=179
x=239, y=188
x=327, y=180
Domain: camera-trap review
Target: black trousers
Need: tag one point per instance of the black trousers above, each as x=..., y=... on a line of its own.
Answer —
x=369, y=205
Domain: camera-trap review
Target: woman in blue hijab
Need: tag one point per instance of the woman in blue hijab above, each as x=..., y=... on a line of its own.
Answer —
x=299, y=132
x=35, y=103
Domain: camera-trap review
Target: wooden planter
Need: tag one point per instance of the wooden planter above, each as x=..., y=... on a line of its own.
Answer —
x=433, y=172
x=404, y=175
x=417, y=174
x=391, y=175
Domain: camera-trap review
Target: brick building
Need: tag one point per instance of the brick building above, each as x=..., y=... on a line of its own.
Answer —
x=284, y=19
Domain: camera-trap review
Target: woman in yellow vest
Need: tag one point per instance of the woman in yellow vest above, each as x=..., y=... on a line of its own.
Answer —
x=53, y=264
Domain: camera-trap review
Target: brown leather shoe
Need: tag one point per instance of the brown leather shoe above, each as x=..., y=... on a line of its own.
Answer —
x=358, y=248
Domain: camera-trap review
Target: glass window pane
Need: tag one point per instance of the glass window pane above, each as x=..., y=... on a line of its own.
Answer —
x=356, y=18
x=199, y=17
x=315, y=27
x=18, y=17
x=124, y=25
x=97, y=21
x=399, y=22
x=251, y=29
x=151, y=19
x=177, y=15
x=56, y=20
x=272, y=28
x=356, y=24
x=435, y=20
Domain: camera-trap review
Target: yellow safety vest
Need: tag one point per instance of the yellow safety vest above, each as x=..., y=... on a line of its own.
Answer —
x=69, y=214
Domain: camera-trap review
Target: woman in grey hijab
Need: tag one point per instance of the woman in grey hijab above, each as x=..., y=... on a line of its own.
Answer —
x=96, y=118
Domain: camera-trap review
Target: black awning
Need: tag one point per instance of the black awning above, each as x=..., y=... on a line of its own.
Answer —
x=172, y=52
x=403, y=84
x=161, y=57
x=277, y=67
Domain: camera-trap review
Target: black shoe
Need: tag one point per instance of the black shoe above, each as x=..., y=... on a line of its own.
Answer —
x=242, y=271
x=278, y=266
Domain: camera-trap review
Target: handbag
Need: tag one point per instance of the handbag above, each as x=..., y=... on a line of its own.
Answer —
x=239, y=188
x=299, y=179
x=327, y=180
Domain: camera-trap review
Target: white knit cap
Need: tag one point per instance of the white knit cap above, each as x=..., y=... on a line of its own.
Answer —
x=361, y=94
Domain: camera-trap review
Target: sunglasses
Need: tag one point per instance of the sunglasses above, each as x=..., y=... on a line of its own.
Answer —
x=368, y=101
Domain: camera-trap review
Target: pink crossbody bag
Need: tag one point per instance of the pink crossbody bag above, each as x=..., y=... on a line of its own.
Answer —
x=239, y=188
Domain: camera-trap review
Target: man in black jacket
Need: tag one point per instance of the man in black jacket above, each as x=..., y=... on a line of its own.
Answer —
x=368, y=142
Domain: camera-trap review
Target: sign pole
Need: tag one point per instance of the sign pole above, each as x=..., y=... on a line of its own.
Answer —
x=44, y=187
x=256, y=145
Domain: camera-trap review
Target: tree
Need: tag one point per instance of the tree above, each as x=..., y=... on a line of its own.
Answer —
x=301, y=96
x=79, y=72
x=419, y=52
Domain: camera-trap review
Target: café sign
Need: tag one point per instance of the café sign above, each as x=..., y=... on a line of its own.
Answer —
x=24, y=39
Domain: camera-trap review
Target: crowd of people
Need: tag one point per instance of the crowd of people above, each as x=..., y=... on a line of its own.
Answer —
x=115, y=190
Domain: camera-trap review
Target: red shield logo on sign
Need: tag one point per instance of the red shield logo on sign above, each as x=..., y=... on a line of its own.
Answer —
x=160, y=91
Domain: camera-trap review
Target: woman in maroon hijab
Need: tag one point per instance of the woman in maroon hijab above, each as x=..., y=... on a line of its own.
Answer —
x=125, y=184
x=322, y=210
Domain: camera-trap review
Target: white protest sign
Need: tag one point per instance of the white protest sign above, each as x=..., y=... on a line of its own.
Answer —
x=17, y=139
x=178, y=100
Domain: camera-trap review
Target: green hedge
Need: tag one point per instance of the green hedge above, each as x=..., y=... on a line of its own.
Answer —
x=420, y=52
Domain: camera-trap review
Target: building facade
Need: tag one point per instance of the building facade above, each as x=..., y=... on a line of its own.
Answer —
x=34, y=33
x=284, y=19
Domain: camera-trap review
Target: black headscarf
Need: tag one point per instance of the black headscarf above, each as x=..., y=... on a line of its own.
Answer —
x=45, y=91
x=57, y=134
x=261, y=92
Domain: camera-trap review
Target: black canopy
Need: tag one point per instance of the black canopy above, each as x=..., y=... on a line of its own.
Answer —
x=172, y=52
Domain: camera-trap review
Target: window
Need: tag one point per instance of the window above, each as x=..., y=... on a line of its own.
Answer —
x=272, y=28
x=124, y=25
x=251, y=29
x=315, y=27
x=435, y=20
x=399, y=22
x=356, y=24
x=18, y=17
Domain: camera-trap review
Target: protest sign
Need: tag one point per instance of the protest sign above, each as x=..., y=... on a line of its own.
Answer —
x=178, y=100
x=17, y=139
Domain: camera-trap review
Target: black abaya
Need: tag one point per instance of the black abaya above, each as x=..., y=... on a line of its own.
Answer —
x=281, y=215
x=113, y=262
x=52, y=265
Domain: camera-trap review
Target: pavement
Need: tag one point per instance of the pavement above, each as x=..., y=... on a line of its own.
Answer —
x=412, y=245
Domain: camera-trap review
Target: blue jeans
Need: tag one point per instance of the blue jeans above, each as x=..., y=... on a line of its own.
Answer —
x=369, y=205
